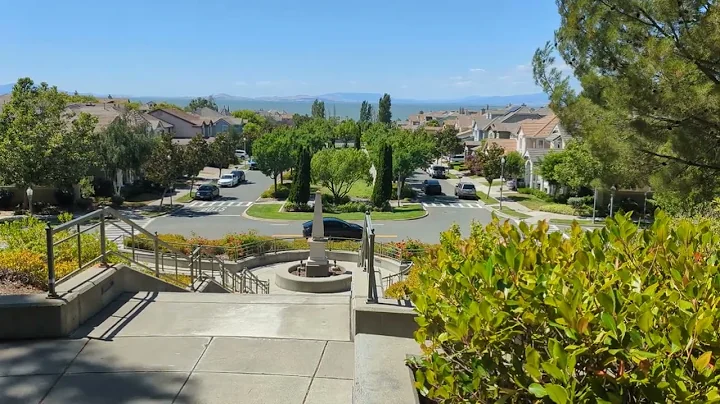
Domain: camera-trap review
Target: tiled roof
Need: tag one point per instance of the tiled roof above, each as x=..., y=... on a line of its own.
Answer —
x=105, y=113
x=539, y=128
x=187, y=117
x=508, y=144
x=535, y=155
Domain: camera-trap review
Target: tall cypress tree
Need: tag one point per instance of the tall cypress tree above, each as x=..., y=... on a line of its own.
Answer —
x=300, y=189
x=384, y=113
x=387, y=173
x=378, y=198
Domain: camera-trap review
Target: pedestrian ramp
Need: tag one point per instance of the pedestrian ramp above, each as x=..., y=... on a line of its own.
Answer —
x=220, y=203
x=454, y=205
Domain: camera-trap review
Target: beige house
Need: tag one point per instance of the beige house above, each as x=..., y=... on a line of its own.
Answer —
x=535, y=139
x=184, y=125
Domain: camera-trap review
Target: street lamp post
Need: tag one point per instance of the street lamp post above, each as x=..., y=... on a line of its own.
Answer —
x=612, y=198
x=502, y=179
x=169, y=159
x=399, y=190
x=29, y=192
x=245, y=145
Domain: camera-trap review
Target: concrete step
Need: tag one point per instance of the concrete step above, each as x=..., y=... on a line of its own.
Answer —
x=381, y=376
x=224, y=298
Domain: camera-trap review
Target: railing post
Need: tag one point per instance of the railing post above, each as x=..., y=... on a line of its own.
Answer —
x=157, y=257
x=132, y=240
x=50, y=262
x=103, y=250
x=223, y=272
x=372, y=287
x=79, y=245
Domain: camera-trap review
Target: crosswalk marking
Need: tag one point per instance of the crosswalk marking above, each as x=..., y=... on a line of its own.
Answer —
x=452, y=205
x=201, y=204
x=116, y=235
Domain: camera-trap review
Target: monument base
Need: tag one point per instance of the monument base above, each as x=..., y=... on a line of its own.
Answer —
x=317, y=265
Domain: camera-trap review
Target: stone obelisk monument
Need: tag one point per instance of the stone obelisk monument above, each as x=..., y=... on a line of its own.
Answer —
x=317, y=264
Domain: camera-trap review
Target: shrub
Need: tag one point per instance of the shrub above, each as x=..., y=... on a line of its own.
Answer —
x=103, y=187
x=29, y=267
x=328, y=199
x=557, y=208
x=536, y=193
x=64, y=196
x=283, y=190
x=613, y=315
x=117, y=200
x=406, y=193
x=6, y=198
x=299, y=207
x=349, y=207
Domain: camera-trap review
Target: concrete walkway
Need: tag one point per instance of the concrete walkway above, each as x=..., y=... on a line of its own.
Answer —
x=192, y=348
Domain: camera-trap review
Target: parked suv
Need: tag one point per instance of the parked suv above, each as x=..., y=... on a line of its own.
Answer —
x=436, y=171
x=465, y=190
x=207, y=192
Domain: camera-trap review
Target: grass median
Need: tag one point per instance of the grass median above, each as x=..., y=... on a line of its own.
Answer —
x=513, y=213
x=272, y=211
x=487, y=199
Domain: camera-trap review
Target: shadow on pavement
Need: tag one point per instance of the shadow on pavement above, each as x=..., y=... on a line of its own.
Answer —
x=79, y=370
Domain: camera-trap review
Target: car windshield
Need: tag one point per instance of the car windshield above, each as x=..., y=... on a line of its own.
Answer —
x=468, y=186
x=438, y=168
x=433, y=182
x=205, y=188
x=227, y=176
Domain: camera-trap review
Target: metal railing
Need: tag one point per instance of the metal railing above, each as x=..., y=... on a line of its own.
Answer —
x=250, y=283
x=74, y=230
x=387, y=281
x=366, y=257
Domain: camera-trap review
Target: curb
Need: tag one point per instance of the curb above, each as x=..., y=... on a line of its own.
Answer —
x=260, y=219
x=178, y=207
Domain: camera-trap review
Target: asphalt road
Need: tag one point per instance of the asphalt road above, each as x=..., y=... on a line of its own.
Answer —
x=220, y=217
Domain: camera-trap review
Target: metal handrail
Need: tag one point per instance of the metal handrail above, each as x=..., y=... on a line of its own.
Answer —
x=391, y=279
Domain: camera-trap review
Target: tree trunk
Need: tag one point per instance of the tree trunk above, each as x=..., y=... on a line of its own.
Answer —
x=220, y=175
x=281, y=177
x=162, y=197
x=192, y=184
x=275, y=181
x=489, y=186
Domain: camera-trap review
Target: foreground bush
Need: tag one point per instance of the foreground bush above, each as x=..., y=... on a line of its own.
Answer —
x=25, y=253
x=283, y=190
x=615, y=315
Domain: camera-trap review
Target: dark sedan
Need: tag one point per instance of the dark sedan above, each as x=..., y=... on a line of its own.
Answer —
x=207, y=192
x=336, y=228
x=432, y=187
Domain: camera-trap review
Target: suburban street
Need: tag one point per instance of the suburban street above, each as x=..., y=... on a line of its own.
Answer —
x=214, y=219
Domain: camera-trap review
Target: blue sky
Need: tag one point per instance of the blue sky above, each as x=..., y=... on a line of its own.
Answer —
x=410, y=49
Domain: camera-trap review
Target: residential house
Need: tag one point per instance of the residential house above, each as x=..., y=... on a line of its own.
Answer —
x=535, y=139
x=504, y=124
x=184, y=125
x=222, y=121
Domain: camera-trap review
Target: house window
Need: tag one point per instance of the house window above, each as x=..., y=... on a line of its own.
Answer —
x=541, y=143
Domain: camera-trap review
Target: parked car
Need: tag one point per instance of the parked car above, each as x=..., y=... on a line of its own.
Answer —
x=465, y=190
x=336, y=228
x=241, y=154
x=458, y=158
x=432, y=187
x=228, y=180
x=252, y=165
x=240, y=175
x=207, y=192
x=436, y=171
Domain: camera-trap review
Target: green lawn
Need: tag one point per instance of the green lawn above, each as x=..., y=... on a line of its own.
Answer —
x=359, y=189
x=271, y=211
x=185, y=198
x=599, y=222
x=513, y=213
x=489, y=200
x=534, y=203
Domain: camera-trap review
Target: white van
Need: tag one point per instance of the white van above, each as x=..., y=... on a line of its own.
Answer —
x=241, y=154
x=458, y=158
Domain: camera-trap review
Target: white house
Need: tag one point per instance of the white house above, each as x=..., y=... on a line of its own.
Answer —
x=535, y=139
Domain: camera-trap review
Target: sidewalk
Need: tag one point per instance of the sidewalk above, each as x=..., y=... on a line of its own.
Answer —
x=535, y=215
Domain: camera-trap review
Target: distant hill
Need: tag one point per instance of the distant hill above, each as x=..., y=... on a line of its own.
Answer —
x=6, y=88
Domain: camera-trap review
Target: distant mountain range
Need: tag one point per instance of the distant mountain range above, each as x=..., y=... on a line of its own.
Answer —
x=536, y=99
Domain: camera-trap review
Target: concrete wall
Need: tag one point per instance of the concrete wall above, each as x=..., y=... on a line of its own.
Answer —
x=81, y=297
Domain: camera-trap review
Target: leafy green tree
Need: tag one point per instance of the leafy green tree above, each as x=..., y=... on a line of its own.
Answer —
x=200, y=102
x=347, y=130
x=339, y=169
x=300, y=189
x=164, y=165
x=433, y=123
x=272, y=153
x=447, y=142
x=514, y=165
x=167, y=105
x=384, y=112
x=256, y=126
x=195, y=157
x=647, y=79
x=315, y=134
x=222, y=151
x=37, y=145
x=548, y=168
x=366, y=113
x=410, y=151
x=318, y=109
x=489, y=162
x=124, y=146
x=300, y=120
x=382, y=187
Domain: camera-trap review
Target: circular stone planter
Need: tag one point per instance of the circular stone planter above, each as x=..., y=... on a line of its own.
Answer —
x=329, y=284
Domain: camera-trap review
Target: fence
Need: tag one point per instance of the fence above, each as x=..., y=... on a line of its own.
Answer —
x=73, y=231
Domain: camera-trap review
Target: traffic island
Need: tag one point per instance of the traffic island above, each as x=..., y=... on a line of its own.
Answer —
x=272, y=211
